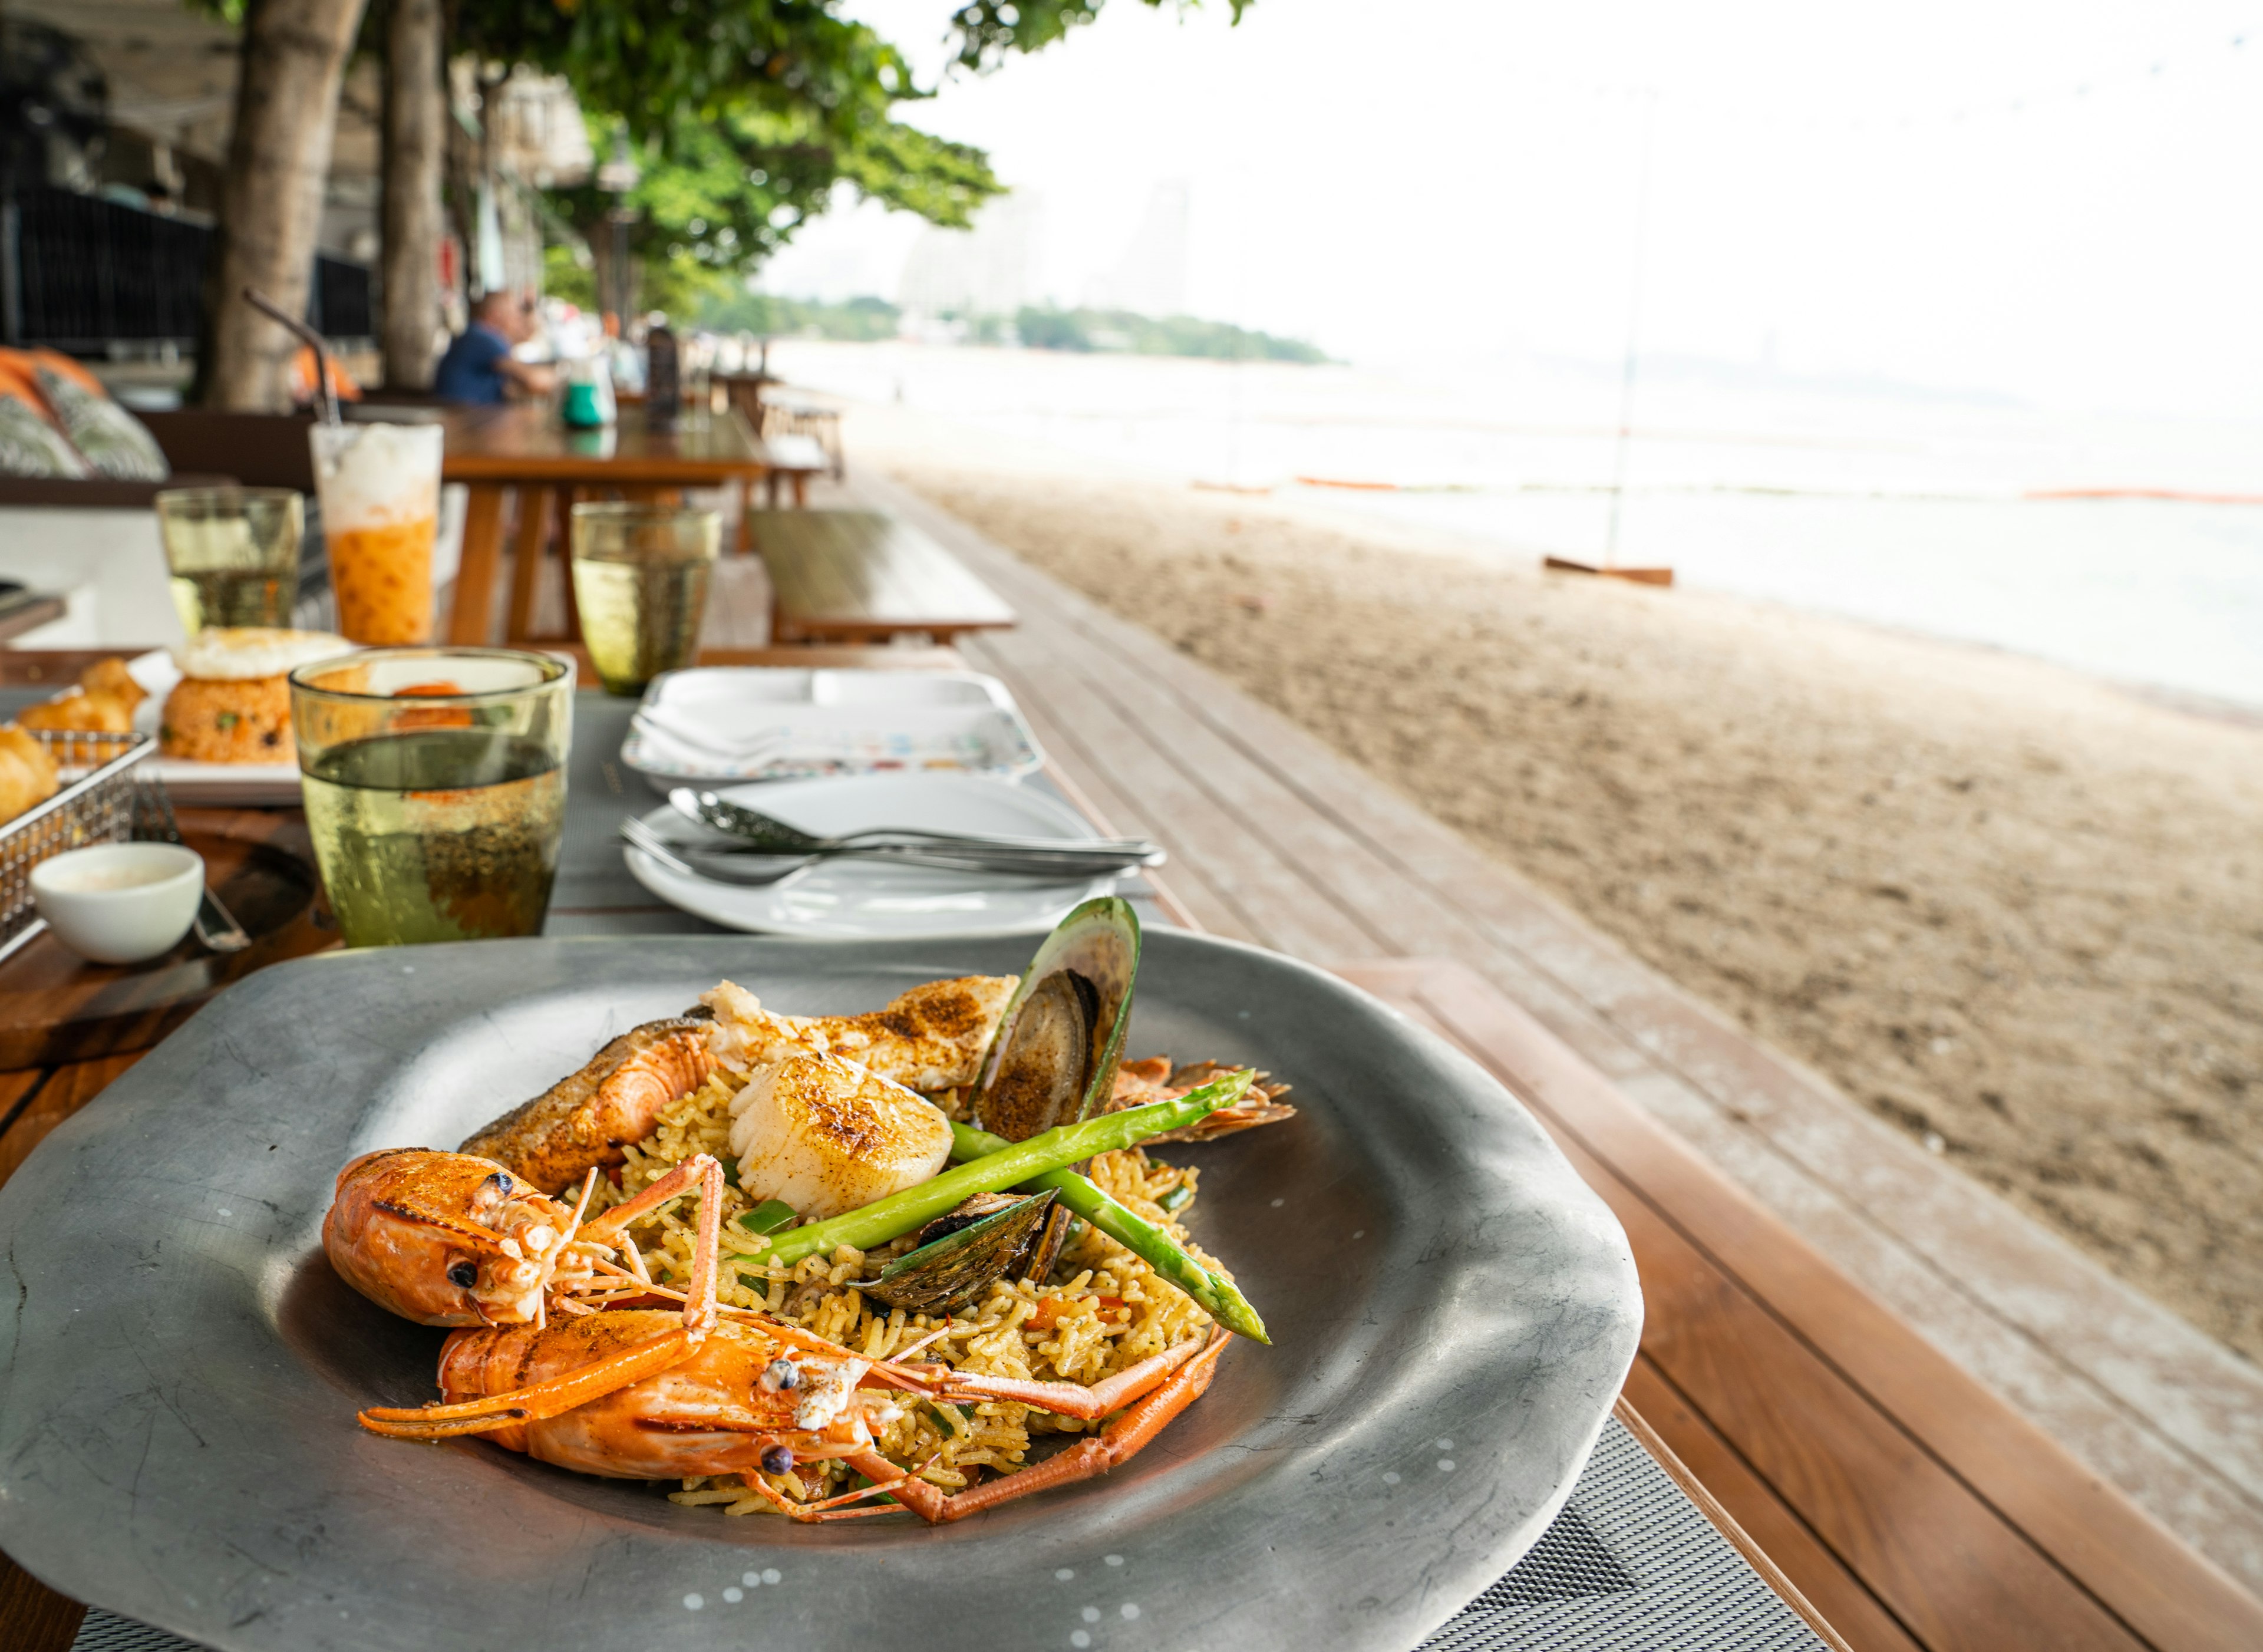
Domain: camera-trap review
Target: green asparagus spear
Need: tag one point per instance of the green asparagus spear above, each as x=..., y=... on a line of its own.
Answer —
x=1134, y=1232
x=885, y=1219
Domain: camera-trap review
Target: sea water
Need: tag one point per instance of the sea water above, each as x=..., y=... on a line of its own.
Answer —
x=1940, y=513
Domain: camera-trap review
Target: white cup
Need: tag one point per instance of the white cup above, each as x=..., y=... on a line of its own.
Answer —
x=120, y=904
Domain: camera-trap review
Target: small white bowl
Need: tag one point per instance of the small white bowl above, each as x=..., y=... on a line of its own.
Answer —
x=120, y=904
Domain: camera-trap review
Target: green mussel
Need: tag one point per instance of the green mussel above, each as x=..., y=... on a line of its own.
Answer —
x=1053, y=1059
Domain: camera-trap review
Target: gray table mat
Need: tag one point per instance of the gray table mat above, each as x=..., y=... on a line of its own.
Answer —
x=1630, y=1563
x=594, y=894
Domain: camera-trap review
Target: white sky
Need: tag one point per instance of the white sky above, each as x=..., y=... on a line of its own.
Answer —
x=1444, y=178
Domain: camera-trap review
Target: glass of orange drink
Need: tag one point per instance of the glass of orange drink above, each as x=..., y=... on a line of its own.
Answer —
x=379, y=488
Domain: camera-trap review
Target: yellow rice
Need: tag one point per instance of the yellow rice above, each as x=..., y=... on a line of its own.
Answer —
x=1112, y=1312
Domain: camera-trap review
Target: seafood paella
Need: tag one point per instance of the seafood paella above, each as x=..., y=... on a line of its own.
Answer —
x=919, y=1259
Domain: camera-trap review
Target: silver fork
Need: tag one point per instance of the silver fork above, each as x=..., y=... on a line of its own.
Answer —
x=216, y=926
x=637, y=835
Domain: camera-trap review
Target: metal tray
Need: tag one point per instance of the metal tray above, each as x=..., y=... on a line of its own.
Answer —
x=96, y=808
x=1452, y=1310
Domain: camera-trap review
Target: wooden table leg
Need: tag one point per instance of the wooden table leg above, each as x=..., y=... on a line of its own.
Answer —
x=482, y=560
x=526, y=562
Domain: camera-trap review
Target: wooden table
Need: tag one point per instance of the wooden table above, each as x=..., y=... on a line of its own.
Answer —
x=499, y=450
x=866, y=576
x=1884, y=1492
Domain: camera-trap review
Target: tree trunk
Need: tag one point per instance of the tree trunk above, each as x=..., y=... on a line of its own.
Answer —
x=286, y=105
x=415, y=151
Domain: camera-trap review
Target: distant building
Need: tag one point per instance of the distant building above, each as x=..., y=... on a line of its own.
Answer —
x=985, y=271
x=1150, y=276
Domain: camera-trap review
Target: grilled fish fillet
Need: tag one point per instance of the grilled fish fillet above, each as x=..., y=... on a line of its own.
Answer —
x=933, y=1037
x=828, y=1135
x=588, y=1117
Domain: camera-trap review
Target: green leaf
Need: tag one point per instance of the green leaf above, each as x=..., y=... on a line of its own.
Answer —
x=772, y=1215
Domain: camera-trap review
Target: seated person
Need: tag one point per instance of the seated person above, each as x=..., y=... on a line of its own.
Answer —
x=479, y=366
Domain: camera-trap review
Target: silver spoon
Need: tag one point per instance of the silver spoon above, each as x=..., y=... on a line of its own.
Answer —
x=216, y=928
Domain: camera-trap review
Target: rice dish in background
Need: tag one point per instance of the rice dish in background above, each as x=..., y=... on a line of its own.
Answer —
x=232, y=703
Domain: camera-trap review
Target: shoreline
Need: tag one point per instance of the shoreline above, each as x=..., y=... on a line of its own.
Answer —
x=2005, y=905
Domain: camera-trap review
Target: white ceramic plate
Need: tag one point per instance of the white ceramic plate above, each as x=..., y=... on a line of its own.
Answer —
x=826, y=723
x=845, y=898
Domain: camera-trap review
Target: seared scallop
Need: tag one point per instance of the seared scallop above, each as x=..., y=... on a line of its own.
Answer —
x=828, y=1135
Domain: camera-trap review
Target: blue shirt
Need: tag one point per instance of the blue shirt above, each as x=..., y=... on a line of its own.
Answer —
x=468, y=371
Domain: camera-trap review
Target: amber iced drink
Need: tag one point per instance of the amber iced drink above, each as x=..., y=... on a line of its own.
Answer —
x=380, y=486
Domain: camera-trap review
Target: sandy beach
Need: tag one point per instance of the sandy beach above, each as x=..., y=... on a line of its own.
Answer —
x=2015, y=911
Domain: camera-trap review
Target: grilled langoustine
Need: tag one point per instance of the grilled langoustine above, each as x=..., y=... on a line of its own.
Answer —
x=740, y=1395
x=587, y=1120
x=449, y=1239
x=444, y=1238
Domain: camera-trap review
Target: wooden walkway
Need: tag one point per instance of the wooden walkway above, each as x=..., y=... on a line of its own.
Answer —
x=1277, y=840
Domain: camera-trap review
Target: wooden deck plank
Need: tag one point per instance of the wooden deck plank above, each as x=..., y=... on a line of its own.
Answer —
x=1712, y=1246
x=1275, y=904
x=1850, y=1608
x=1128, y=814
x=1398, y=916
x=1885, y=1520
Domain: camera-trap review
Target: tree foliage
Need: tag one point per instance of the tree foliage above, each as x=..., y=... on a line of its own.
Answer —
x=990, y=31
x=746, y=116
x=1130, y=332
x=726, y=195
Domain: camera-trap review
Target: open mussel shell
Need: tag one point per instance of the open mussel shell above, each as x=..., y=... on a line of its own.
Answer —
x=1052, y=1060
x=989, y=1237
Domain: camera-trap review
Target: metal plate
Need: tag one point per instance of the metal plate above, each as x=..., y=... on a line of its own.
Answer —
x=1453, y=1312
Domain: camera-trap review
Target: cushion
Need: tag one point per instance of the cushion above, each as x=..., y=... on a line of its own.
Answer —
x=16, y=380
x=31, y=447
x=114, y=442
x=58, y=362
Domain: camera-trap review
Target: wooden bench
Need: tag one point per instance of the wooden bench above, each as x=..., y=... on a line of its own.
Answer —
x=790, y=459
x=866, y=576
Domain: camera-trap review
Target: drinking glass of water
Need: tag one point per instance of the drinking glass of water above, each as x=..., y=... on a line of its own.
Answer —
x=233, y=553
x=641, y=581
x=435, y=785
